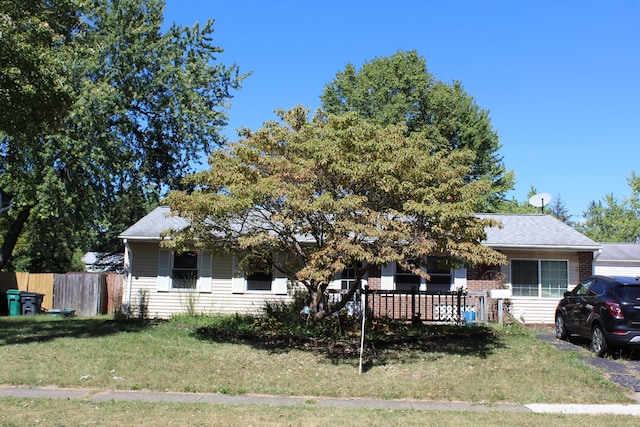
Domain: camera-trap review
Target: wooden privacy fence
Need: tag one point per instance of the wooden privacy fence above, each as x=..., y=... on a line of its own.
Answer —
x=40, y=283
x=86, y=293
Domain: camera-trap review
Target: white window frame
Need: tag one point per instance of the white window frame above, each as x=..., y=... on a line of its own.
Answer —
x=337, y=282
x=539, y=295
x=458, y=278
x=185, y=282
x=165, y=271
x=239, y=282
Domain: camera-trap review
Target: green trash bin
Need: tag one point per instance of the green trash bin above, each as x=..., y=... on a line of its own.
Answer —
x=13, y=299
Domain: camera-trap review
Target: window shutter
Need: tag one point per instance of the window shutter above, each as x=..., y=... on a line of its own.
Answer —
x=387, y=280
x=164, y=270
x=280, y=285
x=237, y=280
x=205, y=272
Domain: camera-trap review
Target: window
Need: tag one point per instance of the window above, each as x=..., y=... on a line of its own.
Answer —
x=440, y=278
x=348, y=276
x=259, y=281
x=406, y=280
x=597, y=288
x=184, y=273
x=539, y=278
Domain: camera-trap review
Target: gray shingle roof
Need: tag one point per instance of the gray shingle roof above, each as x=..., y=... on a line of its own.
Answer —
x=518, y=231
x=620, y=252
x=152, y=225
x=535, y=232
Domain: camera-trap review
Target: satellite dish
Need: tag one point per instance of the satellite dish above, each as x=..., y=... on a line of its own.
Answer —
x=540, y=200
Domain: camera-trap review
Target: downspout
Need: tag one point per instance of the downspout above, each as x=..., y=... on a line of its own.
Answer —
x=128, y=257
x=596, y=254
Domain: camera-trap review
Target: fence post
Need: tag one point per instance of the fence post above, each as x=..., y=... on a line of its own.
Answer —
x=415, y=315
x=413, y=302
x=366, y=299
x=460, y=314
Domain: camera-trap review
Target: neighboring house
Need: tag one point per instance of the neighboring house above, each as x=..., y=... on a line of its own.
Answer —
x=618, y=259
x=545, y=258
x=103, y=262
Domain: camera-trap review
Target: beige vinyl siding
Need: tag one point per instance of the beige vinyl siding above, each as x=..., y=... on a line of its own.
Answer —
x=166, y=303
x=534, y=310
x=537, y=309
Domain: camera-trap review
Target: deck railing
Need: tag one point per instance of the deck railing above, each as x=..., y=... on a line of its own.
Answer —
x=418, y=306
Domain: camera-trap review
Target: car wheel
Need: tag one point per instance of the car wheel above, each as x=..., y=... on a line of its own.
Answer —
x=598, y=341
x=561, y=329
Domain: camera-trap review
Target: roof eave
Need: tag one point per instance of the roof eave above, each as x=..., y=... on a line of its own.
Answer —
x=567, y=248
x=142, y=238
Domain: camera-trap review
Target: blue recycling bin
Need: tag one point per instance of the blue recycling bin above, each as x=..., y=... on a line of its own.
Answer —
x=469, y=318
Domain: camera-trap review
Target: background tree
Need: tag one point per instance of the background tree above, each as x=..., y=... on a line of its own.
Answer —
x=558, y=209
x=313, y=198
x=614, y=220
x=145, y=105
x=36, y=45
x=400, y=90
x=516, y=207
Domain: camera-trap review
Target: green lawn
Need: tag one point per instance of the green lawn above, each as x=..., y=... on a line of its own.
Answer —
x=476, y=364
x=43, y=412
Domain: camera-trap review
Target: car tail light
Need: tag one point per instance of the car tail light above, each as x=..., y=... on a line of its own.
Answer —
x=615, y=309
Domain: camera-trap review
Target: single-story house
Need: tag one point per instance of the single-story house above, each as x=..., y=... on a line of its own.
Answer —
x=618, y=259
x=545, y=258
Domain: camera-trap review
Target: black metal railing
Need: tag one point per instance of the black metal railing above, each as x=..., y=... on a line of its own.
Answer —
x=417, y=306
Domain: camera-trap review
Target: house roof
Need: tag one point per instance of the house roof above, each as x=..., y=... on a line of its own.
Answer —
x=620, y=252
x=518, y=231
x=103, y=261
x=530, y=231
x=152, y=225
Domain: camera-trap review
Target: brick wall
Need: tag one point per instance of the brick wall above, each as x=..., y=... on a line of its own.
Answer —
x=374, y=280
x=483, y=278
x=585, y=268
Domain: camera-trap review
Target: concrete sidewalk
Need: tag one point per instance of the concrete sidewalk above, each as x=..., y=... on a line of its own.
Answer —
x=95, y=395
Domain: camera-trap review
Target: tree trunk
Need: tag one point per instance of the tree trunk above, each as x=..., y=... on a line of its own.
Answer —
x=11, y=238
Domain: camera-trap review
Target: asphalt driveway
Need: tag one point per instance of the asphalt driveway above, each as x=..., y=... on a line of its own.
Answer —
x=623, y=370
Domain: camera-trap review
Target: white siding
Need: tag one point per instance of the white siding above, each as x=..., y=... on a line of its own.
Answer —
x=219, y=300
x=617, y=269
x=536, y=309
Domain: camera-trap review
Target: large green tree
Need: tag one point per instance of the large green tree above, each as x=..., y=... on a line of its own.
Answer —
x=613, y=220
x=400, y=90
x=311, y=198
x=145, y=104
x=36, y=46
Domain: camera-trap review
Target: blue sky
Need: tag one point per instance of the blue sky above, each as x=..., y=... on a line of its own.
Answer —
x=561, y=79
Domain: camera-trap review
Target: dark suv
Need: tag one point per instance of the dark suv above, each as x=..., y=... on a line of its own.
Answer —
x=603, y=309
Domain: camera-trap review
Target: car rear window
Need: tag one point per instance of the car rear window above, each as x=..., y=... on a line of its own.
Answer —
x=628, y=292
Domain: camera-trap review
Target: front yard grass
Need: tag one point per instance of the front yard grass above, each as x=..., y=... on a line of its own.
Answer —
x=476, y=364
x=45, y=412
